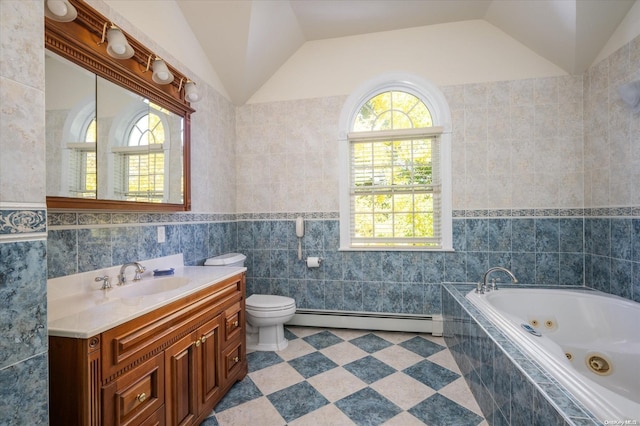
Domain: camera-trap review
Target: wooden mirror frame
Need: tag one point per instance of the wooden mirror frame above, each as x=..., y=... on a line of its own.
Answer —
x=79, y=42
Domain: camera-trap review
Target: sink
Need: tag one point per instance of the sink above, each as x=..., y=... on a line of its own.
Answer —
x=151, y=286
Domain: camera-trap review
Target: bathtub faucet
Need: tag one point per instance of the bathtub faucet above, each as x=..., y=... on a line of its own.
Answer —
x=484, y=285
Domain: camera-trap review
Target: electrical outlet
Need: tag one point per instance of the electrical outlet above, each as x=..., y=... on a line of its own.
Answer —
x=161, y=234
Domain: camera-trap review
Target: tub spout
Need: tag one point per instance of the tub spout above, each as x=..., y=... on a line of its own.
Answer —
x=485, y=278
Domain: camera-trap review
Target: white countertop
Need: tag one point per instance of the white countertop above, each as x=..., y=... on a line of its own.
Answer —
x=78, y=308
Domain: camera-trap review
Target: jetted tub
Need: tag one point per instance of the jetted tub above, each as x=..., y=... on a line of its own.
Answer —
x=588, y=340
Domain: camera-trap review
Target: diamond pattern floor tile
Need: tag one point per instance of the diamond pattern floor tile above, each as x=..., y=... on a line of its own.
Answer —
x=259, y=360
x=242, y=392
x=297, y=401
x=369, y=369
x=422, y=347
x=336, y=384
x=431, y=374
x=367, y=407
x=438, y=410
x=312, y=364
x=370, y=343
x=322, y=340
x=350, y=377
x=402, y=390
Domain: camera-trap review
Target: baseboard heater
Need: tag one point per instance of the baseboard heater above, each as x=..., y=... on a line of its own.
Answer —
x=368, y=321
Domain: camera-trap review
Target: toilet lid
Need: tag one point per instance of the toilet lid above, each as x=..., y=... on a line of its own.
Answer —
x=264, y=302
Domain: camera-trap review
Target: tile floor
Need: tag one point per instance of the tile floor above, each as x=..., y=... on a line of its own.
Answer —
x=350, y=377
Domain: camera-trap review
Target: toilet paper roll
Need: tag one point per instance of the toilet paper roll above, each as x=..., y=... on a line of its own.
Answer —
x=313, y=262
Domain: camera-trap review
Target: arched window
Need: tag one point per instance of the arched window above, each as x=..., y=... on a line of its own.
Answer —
x=395, y=187
x=85, y=157
x=79, y=150
x=140, y=163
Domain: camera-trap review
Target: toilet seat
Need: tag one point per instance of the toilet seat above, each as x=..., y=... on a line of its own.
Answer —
x=269, y=303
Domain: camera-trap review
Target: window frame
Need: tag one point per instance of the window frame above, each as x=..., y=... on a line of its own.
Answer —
x=119, y=138
x=435, y=101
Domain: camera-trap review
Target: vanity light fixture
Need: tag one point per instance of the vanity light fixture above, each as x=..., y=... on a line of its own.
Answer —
x=60, y=10
x=117, y=45
x=191, y=93
x=161, y=73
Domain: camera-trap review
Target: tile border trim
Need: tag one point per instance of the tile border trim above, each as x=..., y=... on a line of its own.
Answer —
x=19, y=223
x=68, y=218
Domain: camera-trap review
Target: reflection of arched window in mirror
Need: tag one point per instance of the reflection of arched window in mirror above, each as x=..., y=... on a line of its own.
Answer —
x=139, y=164
x=79, y=146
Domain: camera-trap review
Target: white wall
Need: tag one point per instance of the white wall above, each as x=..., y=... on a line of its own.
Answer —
x=446, y=54
x=628, y=29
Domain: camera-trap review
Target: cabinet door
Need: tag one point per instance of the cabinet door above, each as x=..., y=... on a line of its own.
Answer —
x=208, y=358
x=135, y=396
x=180, y=380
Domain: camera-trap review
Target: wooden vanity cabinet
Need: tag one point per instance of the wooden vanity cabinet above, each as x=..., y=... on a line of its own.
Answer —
x=170, y=366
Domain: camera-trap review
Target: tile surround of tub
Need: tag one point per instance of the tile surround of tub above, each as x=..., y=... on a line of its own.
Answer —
x=510, y=388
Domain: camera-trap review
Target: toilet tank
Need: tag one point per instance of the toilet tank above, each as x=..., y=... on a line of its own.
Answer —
x=227, y=259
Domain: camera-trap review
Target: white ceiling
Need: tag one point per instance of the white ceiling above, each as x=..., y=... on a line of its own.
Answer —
x=246, y=41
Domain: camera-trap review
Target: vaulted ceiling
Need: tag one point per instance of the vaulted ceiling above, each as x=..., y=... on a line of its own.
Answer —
x=246, y=41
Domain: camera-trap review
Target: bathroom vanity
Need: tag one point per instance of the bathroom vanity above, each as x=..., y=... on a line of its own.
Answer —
x=153, y=352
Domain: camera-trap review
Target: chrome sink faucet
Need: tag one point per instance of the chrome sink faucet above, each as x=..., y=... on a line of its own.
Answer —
x=137, y=277
x=484, y=286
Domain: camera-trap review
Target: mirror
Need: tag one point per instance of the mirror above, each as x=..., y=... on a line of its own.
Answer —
x=114, y=138
x=70, y=108
x=106, y=142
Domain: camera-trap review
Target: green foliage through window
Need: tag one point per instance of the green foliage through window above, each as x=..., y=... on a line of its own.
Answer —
x=395, y=183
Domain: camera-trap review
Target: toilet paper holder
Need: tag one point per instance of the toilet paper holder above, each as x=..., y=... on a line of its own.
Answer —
x=314, y=262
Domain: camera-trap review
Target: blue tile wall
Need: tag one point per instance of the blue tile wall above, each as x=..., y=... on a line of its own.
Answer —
x=603, y=253
x=23, y=301
x=538, y=250
x=612, y=255
x=23, y=392
x=23, y=325
x=75, y=250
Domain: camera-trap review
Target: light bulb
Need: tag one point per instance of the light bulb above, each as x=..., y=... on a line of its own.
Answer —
x=57, y=7
x=161, y=73
x=191, y=92
x=118, y=48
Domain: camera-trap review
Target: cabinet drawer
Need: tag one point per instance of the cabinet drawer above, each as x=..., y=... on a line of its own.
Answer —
x=156, y=419
x=234, y=322
x=233, y=359
x=136, y=395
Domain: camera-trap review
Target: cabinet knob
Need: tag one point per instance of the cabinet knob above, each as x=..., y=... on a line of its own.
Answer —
x=235, y=323
x=141, y=397
x=203, y=339
x=197, y=342
x=236, y=359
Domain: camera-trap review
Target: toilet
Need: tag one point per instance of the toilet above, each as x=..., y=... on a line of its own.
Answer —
x=266, y=314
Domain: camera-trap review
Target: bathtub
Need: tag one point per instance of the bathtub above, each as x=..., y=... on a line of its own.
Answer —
x=587, y=340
